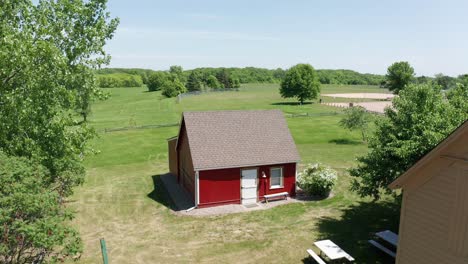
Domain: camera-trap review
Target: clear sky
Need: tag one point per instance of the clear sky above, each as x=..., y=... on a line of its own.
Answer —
x=362, y=35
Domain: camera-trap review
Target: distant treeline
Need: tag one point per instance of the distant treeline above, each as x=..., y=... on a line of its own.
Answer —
x=135, y=77
x=121, y=79
x=110, y=77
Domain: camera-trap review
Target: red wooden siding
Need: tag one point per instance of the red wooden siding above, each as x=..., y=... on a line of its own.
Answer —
x=222, y=186
x=186, y=173
x=289, y=180
x=219, y=187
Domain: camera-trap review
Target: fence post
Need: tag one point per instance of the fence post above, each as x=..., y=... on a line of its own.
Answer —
x=104, y=251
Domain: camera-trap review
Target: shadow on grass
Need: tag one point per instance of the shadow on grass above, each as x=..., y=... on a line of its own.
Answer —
x=160, y=194
x=344, y=141
x=356, y=226
x=291, y=103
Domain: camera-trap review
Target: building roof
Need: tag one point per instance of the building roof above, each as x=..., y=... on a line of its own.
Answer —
x=458, y=153
x=228, y=139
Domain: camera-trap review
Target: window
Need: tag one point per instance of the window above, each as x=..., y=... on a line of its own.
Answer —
x=276, y=178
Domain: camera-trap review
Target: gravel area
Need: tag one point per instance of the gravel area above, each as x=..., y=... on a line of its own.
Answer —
x=382, y=96
x=233, y=208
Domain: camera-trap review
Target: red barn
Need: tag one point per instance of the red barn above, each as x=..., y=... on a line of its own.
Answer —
x=233, y=157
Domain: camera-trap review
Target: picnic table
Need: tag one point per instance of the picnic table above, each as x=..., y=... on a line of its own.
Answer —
x=388, y=236
x=331, y=250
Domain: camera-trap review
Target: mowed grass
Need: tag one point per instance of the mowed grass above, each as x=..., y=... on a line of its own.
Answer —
x=124, y=202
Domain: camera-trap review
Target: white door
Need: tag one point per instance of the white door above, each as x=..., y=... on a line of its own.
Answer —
x=249, y=186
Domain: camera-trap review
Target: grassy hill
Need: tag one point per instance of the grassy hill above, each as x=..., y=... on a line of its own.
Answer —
x=123, y=200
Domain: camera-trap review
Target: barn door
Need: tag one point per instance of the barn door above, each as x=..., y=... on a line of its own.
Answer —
x=249, y=186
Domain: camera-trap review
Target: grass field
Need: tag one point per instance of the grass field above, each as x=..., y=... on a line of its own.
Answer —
x=123, y=200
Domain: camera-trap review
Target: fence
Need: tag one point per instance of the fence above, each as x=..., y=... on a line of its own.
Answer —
x=107, y=130
x=292, y=115
x=181, y=96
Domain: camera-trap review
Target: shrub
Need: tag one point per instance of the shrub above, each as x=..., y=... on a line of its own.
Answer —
x=119, y=80
x=156, y=80
x=317, y=179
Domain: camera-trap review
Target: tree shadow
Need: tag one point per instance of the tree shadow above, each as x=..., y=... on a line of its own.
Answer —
x=291, y=103
x=160, y=193
x=357, y=225
x=344, y=141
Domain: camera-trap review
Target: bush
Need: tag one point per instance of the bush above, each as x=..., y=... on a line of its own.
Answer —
x=317, y=179
x=156, y=80
x=173, y=88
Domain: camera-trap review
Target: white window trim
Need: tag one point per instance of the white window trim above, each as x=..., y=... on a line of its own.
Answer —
x=272, y=187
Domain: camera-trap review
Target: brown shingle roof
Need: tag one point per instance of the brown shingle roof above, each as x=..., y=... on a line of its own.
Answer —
x=226, y=139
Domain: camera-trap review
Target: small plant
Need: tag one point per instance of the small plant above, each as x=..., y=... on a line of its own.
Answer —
x=317, y=180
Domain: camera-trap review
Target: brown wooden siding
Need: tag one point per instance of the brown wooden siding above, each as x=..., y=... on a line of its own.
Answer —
x=172, y=156
x=186, y=172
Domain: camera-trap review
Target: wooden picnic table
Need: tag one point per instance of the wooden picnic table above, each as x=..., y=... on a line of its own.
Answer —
x=388, y=236
x=332, y=251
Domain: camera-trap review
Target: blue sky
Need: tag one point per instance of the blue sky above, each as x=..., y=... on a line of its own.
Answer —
x=362, y=35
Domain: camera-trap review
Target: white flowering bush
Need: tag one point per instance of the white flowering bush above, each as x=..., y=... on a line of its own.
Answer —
x=317, y=179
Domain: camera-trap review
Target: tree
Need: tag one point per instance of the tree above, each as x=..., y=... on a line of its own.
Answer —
x=419, y=120
x=194, y=82
x=399, y=74
x=34, y=225
x=445, y=82
x=173, y=88
x=301, y=81
x=178, y=72
x=235, y=83
x=213, y=83
x=156, y=80
x=356, y=118
x=49, y=51
x=224, y=78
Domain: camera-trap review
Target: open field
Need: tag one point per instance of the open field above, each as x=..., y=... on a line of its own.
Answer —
x=123, y=200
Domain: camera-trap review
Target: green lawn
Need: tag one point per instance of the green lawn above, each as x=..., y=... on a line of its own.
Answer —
x=123, y=201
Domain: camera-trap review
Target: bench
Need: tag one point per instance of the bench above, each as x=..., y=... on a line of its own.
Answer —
x=315, y=256
x=275, y=195
x=381, y=247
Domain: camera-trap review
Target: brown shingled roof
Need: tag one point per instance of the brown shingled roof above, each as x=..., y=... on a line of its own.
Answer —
x=227, y=139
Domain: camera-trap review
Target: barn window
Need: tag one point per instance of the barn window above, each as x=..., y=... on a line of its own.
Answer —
x=276, y=178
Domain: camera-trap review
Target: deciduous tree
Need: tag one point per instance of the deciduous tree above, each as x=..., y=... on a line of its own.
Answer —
x=156, y=80
x=301, y=82
x=420, y=118
x=399, y=74
x=356, y=118
x=48, y=53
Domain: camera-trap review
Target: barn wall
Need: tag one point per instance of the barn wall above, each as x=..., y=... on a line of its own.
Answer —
x=434, y=215
x=172, y=156
x=186, y=173
x=219, y=187
x=289, y=180
x=222, y=186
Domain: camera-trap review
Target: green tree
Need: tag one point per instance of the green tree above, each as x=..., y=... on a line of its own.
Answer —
x=173, y=88
x=356, y=118
x=34, y=226
x=235, y=83
x=301, y=82
x=224, y=77
x=213, y=83
x=419, y=120
x=194, y=82
x=399, y=74
x=177, y=72
x=445, y=82
x=48, y=53
x=156, y=80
